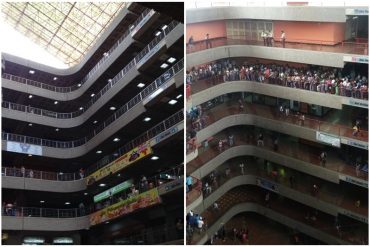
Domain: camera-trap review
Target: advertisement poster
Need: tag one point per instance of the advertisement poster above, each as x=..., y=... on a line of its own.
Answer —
x=127, y=159
x=143, y=200
x=112, y=191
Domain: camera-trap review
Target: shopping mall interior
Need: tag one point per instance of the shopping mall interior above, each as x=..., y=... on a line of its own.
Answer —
x=94, y=153
x=277, y=123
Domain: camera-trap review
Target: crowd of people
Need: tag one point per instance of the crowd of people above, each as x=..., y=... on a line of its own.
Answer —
x=313, y=78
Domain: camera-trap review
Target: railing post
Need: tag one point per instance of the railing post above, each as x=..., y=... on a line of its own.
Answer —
x=75, y=212
x=5, y=171
x=74, y=176
x=40, y=212
x=40, y=174
x=22, y=215
x=58, y=212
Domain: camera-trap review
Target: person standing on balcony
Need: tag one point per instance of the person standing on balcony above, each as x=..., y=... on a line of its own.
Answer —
x=191, y=43
x=208, y=42
x=23, y=171
x=269, y=38
x=264, y=37
x=282, y=38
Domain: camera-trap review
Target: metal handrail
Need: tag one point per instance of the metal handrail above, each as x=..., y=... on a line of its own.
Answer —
x=126, y=107
x=46, y=113
x=147, y=135
x=92, y=71
x=104, y=90
x=77, y=212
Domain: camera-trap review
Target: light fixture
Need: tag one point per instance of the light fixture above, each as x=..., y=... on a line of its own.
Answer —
x=164, y=65
x=30, y=96
x=61, y=173
x=147, y=119
x=119, y=174
x=102, y=185
x=109, y=80
x=86, y=193
x=116, y=139
x=92, y=95
x=99, y=152
x=31, y=72
x=56, y=129
x=81, y=108
x=179, y=96
x=172, y=102
x=132, y=27
x=112, y=108
x=158, y=33
x=42, y=201
x=29, y=155
x=115, y=154
x=79, y=85
x=154, y=158
x=171, y=60
x=95, y=121
x=105, y=54
x=67, y=203
x=140, y=85
x=164, y=27
x=30, y=124
x=55, y=78
x=55, y=102
x=107, y=222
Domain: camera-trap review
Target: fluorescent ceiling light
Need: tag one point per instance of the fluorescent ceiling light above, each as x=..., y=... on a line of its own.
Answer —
x=61, y=173
x=112, y=108
x=31, y=72
x=99, y=152
x=92, y=95
x=56, y=129
x=95, y=121
x=105, y=54
x=147, y=119
x=55, y=102
x=109, y=80
x=116, y=139
x=171, y=60
x=42, y=201
x=154, y=158
x=67, y=203
x=164, y=27
x=55, y=78
x=86, y=193
x=79, y=85
x=30, y=96
x=140, y=85
x=30, y=155
x=158, y=33
x=179, y=96
x=81, y=108
x=132, y=27
x=102, y=185
x=30, y=124
x=164, y=65
x=172, y=102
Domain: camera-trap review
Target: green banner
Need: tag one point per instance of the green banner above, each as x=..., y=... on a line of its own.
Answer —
x=114, y=190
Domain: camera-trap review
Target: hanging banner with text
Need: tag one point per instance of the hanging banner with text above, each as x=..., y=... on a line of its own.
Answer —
x=125, y=160
x=114, y=190
x=143, y=200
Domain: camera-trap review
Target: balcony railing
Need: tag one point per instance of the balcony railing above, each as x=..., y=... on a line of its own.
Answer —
x=125, y=108
x=91, y=72
x=143, y=94
x=147, y=135
x=154, y=181
x=301, y=44
x=94, y=99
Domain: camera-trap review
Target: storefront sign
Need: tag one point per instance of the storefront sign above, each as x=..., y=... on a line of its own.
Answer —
x=143, y=200
x=24, y=148
x=355, y=216
x=358, y=103
x=354, y=180
x=267, y=185
x=364, y=11
x=125, y=160
x=141, y=23
x=328, y=139
x=355, y=143
x=356, y=59
x=114, y=190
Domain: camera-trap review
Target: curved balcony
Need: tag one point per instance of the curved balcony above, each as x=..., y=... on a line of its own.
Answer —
x=73, y=119
x=328, y=199
x=226, y=48
x=205, y=90
x=119, y=119
x=50, y=219
x=65, y=94
x=284, y=210
x=228, y=114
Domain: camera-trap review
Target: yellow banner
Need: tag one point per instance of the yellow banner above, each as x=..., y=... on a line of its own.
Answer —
x=132, y=156
x=143, y=200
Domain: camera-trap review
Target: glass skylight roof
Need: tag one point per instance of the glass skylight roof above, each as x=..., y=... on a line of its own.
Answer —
x=67, y=30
